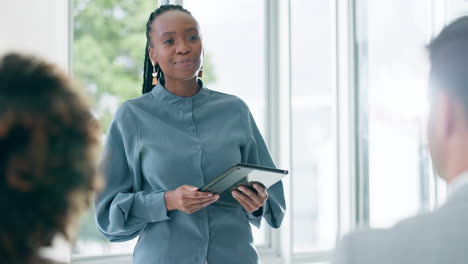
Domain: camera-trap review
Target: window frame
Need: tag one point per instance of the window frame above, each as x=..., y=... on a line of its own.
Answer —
x=350, y=119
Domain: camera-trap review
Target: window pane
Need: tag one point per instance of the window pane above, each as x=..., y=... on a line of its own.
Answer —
x=313, y=131
x=455, y=8
x=108, y=53
x=233, y=37
x=394, y=68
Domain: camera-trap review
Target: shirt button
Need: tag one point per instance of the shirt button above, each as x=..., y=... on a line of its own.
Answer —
x=196, y=148
x=191, y=128
x=187, y=102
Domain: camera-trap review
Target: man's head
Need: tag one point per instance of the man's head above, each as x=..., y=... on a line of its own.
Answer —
x=448, y=120
x=48, y=143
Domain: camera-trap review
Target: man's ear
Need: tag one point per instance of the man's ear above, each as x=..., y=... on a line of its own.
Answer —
x=448, y=115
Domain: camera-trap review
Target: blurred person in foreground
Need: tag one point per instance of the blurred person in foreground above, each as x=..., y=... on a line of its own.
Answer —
x=48, y=143
x=440, y=236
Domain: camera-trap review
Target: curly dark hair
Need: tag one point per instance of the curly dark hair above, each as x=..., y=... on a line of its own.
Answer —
x=48, y=164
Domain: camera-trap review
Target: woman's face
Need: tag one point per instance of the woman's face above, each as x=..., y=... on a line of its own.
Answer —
x=176, y=45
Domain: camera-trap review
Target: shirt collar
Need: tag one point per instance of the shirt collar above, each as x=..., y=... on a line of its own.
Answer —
x=161, y=94
x=458, y=183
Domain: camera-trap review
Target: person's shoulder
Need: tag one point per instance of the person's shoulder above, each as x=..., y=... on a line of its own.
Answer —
x=426, y=227
x=416, y=222
x=363, y=238
x=138, y=101
x=228, y=99
x=224, y=96
x=127, y=108
x=406, y=230
x=445, y=223
x=403, y=241
x=365, y=246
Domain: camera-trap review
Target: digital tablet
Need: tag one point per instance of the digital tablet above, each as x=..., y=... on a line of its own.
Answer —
x=241, y=173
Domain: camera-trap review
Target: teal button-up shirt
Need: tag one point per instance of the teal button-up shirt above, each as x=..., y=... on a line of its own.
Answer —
x=160, y=141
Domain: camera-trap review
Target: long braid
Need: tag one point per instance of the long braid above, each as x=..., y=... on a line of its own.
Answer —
x=148, y=66
x=147, y=72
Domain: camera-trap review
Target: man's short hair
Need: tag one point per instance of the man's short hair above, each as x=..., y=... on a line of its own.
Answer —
x=448, y=54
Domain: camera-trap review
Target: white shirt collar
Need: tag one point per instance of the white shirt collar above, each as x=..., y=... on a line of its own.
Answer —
x=458, y=183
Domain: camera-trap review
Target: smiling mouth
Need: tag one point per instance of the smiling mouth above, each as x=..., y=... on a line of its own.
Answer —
x=185, y=63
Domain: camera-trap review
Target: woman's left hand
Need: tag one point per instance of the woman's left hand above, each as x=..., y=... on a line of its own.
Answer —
x=250, y=200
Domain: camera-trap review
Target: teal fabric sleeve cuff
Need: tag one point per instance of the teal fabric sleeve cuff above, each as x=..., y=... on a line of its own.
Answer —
x=151, y=207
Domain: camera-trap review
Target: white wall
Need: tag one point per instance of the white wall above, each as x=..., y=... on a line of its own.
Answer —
x=36, y=26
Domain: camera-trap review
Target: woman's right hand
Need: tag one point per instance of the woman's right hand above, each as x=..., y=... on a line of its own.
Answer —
x=188, y=199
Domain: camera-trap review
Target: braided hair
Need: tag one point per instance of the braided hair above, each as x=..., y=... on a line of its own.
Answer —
x=148, y=66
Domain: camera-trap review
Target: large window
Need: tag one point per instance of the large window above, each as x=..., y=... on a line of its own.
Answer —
x=366, y=164
x=108, y=54
x=314, y=157
x=392, y=78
